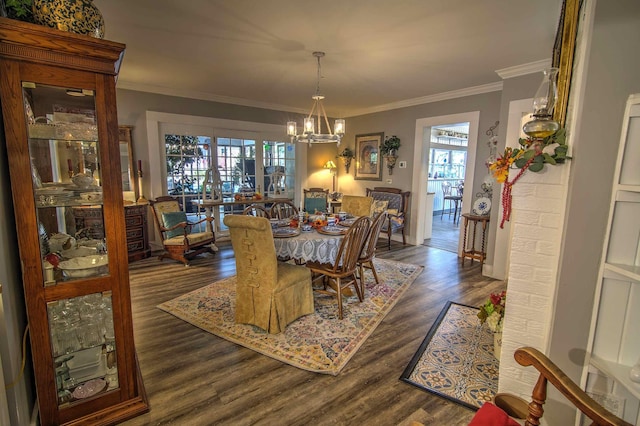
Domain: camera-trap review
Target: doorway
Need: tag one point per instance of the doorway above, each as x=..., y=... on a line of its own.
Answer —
x=423, y=208
x=447, y=169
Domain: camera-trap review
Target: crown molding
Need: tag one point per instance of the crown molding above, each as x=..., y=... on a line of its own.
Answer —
x=204, y=96
x=524, y=69
x=470, y=91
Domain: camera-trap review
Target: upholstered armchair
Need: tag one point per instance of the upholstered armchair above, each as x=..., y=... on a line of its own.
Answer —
x=182, y=240
x=269, y=294
x=396, y=202
x=357, y=205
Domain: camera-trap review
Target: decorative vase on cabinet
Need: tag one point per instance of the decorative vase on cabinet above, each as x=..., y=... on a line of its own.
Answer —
x=77, y=291
x=76, y=16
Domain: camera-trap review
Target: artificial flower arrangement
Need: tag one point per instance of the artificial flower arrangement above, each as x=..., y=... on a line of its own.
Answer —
x=532, y=155
x=492, y=311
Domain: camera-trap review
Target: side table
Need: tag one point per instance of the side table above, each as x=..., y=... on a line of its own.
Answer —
x=472, y=253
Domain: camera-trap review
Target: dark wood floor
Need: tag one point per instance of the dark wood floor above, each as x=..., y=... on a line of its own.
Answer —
x=195, y=378
x=445, y=233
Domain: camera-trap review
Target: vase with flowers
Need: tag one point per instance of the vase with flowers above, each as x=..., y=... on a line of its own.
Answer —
x=492, y=312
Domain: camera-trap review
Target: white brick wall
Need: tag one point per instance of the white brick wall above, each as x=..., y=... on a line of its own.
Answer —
x=537, y=223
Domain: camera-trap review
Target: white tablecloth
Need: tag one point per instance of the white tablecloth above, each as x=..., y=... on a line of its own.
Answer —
x=309, y=246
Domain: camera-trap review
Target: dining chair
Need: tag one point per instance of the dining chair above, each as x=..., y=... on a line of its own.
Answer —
x=316, y=200
x=369, y=250
x=283, y=209
x=337, y=277
x=269, y=294
x=256, y=210
x=448, y=195
x=179, y=242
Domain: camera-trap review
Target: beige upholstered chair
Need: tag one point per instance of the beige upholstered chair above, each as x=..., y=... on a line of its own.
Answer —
x=357, y=205
x=179, y=242
x=256, y=210
x=283, y=210
x=270, y=294
x=369, y=250
x=334, y=279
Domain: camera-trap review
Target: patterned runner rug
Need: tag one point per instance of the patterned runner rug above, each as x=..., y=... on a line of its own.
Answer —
x=455, y=360
x=319, y=342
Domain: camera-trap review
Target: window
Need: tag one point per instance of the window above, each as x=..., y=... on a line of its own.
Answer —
x=236, y=160
x=279, y=168
x=187, y=161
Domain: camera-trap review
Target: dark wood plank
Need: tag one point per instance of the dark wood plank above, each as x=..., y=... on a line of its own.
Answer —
x=195, y=378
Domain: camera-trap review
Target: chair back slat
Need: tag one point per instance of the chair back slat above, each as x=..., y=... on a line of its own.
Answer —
x=352, y=245
x=257, y=211
x=283, y=210
x=369, y=249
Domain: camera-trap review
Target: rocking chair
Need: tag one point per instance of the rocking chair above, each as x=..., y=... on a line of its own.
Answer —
x=179, y=242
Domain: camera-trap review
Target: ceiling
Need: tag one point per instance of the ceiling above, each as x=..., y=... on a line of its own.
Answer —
x=380, y=54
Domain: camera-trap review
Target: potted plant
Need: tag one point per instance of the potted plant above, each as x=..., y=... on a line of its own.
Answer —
x=347, y=155
x=390, y=145
x=389, y=149
x=20, y=10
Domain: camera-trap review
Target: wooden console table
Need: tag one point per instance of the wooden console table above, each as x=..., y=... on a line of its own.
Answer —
x=472, y=253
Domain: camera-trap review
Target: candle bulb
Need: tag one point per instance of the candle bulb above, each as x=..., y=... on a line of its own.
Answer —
x=139, y=165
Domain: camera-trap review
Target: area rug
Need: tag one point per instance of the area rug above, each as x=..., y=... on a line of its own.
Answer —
x=319, y=342
x=455, y=360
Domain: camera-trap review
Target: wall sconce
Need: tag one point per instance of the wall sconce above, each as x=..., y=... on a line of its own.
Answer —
x=332, y=169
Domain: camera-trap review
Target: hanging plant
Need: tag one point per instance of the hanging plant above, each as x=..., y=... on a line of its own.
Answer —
x=347, y=155
x=532, y=155
x=390, y=145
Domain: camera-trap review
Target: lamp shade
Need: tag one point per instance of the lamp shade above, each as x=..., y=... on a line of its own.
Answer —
x=330, y=165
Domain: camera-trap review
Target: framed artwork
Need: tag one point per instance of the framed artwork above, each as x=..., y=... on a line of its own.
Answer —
x=563, y=54
x=368, y=158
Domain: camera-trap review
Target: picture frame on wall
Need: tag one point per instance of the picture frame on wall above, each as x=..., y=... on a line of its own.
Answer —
x=368, y=157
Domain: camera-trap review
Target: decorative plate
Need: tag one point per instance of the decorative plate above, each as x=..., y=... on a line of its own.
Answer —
x=332, y=230
x=482, y=206
x=285, y=232
x=347, y=222
x=90, y=388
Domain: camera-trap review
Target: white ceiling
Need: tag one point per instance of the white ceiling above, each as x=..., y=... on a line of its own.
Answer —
x=380, y=54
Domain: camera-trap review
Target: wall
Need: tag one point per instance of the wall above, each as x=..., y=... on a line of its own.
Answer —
x=516, y=88
x=612, y=74
x=13, y=321
x=133, y=105
x=602, y=84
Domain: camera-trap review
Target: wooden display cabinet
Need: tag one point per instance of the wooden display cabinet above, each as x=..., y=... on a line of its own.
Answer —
x=58, y=97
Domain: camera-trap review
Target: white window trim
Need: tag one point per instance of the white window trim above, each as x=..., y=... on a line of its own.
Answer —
x=219, y=127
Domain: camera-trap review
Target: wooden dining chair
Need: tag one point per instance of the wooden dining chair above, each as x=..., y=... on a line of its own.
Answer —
x=257, y=211
x=369, y=250
x=283, y=209
x=333, y=279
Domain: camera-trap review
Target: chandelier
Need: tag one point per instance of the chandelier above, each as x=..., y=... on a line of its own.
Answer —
x=309, y=134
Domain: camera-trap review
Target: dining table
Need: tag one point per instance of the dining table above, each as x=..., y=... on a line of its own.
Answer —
x=308, y=246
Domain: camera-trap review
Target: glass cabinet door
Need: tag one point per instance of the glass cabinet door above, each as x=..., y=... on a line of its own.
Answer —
x=83, y=346
x=65, y=170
